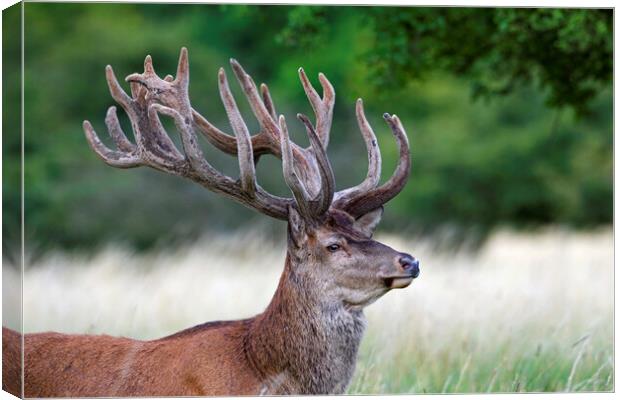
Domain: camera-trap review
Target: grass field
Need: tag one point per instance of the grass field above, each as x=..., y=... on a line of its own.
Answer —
x=527, y=312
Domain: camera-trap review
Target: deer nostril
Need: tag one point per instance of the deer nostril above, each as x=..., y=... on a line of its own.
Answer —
x=406, y=260
x=410, y=265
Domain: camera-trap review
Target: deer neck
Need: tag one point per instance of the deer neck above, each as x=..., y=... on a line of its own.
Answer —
x=302, y=343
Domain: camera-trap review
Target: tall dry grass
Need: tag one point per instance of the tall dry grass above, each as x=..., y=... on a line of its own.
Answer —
x=527, y=312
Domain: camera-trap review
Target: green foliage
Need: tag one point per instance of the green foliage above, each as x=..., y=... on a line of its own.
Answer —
x=306, y=27
x=476, y=164
x=507, y=162
x=566, y=52
x=11, y=145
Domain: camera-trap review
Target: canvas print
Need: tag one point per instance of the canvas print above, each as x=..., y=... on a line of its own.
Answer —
x=190, y=210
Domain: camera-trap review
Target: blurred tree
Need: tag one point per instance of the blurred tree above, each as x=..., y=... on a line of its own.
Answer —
x=566, y=52
x=11, y=143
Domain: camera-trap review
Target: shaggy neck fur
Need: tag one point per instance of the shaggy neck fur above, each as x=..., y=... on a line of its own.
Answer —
x=302, y=343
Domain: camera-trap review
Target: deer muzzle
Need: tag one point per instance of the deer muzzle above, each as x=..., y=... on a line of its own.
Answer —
x=408, y=270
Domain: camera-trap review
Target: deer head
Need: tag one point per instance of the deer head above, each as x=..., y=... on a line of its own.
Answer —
x=330, y=241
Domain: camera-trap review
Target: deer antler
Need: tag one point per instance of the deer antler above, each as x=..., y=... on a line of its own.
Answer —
x=307, y=171
x=366, y=196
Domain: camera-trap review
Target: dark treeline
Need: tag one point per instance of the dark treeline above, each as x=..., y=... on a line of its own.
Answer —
x=509, y=112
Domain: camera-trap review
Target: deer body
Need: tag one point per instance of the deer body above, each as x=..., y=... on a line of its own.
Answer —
x=307, y=339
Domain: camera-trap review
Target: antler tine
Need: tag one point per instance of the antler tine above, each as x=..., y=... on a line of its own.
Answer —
x=182, y=78
x=311, y=93
x=264, y=91
x=290, y=176
x=148, y=65
x=258, y=107
x=370, y=200
x=117, y=92
x=374, y=153
x=114, y=158
x=326, y=193
x=374, y=160
x=322, y=107
x=244, y=143
x=116, y=132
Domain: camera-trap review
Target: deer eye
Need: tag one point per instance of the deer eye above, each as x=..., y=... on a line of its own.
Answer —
x=333, y=247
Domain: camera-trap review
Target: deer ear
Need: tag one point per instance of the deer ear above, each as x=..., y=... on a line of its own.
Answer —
x=369, y=221
x=296, y=227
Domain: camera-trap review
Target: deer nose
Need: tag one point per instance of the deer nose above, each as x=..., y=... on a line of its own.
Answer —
x=410, y=265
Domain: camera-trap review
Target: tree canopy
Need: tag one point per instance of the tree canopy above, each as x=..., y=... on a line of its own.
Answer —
x=566, y=53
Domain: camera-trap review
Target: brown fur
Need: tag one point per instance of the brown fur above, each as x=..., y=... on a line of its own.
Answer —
x=11, y=362
x=306, y=341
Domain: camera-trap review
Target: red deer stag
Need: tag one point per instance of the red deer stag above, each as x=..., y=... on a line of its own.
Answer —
x=307, y=339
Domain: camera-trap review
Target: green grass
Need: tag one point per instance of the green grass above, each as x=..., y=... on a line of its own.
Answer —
x=543, y=367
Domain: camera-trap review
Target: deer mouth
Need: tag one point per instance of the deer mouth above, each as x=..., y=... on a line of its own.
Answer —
x=398, y=282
